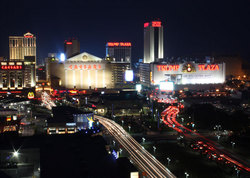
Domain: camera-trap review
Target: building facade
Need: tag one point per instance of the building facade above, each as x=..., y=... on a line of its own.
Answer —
x=12, y=75
x=118, y=74
x=153, y=41
x=144, y=74
x=119, y=51
x=83, y=71
x=86, y=71
x=23, y=49
x=188, y=73
x=21, y=46
x=71, y=48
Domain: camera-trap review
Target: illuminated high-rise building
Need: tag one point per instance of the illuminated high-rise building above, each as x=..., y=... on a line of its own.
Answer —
x=153, y=41
x=71, y=48
x=119, y=51
x=23, y=49
x=22, y=46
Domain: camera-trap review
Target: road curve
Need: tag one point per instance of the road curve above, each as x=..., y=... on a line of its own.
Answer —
x=169, y=118
x=140, y=156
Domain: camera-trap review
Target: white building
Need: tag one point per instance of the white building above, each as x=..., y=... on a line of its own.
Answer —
x=189, y=73
x=153, y=41
x=86, y=71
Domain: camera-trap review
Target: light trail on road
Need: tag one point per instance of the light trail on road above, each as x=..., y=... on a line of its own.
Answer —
x=169, y=118
x=140, y=156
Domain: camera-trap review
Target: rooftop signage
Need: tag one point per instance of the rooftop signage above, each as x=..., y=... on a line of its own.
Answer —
x=28, y=35
x=118, y=44
x=154, y=24
x=210, y=67
x=168, y=67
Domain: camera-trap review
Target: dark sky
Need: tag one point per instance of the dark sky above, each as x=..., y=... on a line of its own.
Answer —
x=191, y=27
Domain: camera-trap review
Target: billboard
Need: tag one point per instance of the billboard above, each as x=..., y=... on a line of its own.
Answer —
x=129, y=75
x=167, y=86
x=188, y=73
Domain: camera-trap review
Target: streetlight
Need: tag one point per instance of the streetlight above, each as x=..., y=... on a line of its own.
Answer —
x=193, y=125
x=143, y=139
x=233, y=143
x=15, y=154
x=154, y=148
x=187, y=175
x=182, y=119
x=237, y=171
x=218, y=136
x=113, y=142
x=168, y=160
x=122, y=122
x=217, y=126
x=129, y=127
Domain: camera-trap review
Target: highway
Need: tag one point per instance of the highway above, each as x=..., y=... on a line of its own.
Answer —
x=169, y=118
x=140, y=156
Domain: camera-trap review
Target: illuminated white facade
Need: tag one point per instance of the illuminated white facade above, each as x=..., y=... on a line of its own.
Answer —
x=85, y=71
x=188, y=73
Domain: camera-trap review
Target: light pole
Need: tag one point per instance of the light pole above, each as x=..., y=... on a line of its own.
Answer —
x=129, y=127
x=143, y=139
x=218, y=136
x=218, y=127
x=113, y=142
x=168, y=160
x=237, y=171
x=182, y=119
x=233, y=143
x=122, y=122
x=154, y=148
x=193, y=125
x=187, y=175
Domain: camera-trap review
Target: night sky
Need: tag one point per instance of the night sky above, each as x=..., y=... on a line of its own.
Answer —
x=191, y=27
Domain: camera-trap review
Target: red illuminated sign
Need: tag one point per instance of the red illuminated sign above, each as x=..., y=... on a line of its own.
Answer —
x=5, y=92
x=69, y=43
x=146, y=24
x=119, y=44
x=8, y=67
x=156, y=24
x=84, y=67
x=28, y=36
x=168, y=67
x=211, y=67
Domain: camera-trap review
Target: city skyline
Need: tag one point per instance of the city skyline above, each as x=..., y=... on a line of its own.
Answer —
x=197, y=28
